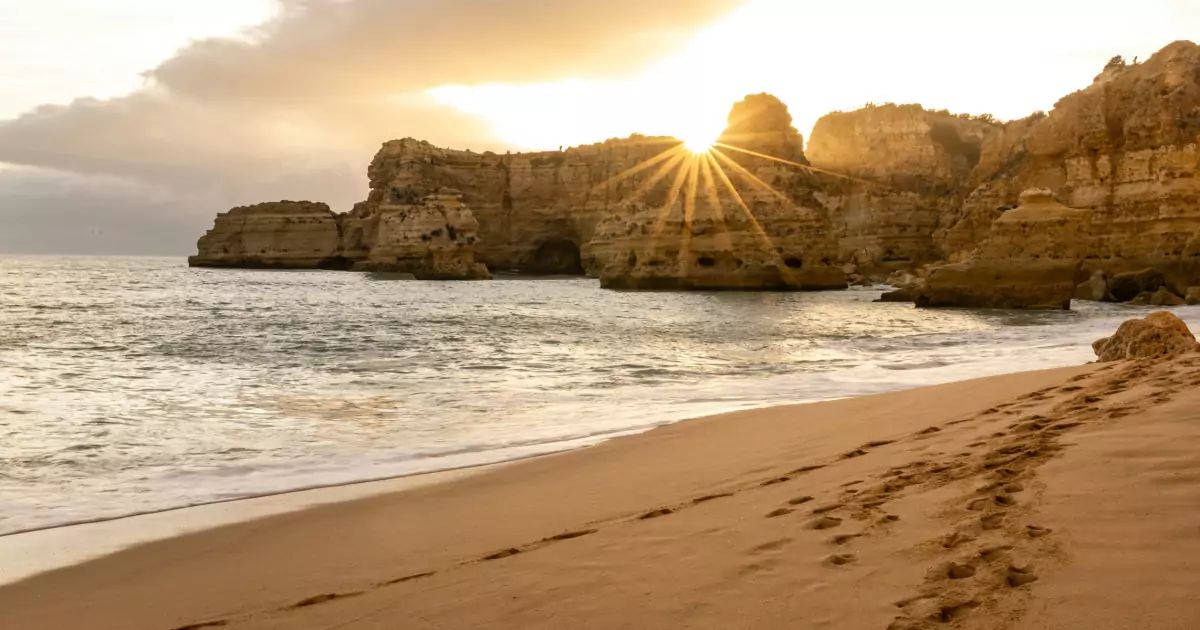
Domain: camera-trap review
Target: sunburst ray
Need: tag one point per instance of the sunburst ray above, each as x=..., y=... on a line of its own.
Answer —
x=767, y=242
x=677, y=150
x=806, y=167
x=751, y=178
x=689, y=214
x=714, y=202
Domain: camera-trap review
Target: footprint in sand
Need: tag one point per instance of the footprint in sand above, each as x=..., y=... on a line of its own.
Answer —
x=800, y=500
x=1020, y=576
x=989, y=554
x=504, y=553
x=840, y=559
x=1036, y=531
x=778, y=512
x=991, y=521
x=956, y=539
x=956, y=571
x=771, y=545
x=655, y=513
x=569, y=535
x=321, y=599
x=203, y=624
x=407, y=578
x=825, y=522
x=711, y=497
x=955, y=610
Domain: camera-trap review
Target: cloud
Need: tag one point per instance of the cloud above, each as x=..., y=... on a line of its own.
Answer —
x=297, y=109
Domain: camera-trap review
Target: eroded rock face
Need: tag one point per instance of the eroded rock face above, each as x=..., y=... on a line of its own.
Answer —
x=878, y=190
x=727, y=219
x=1159, y=334
x=911, y=165
x=282, y=234
x=432, y=237
x=1029, y=259
x=535, y=210
x=1124, y=148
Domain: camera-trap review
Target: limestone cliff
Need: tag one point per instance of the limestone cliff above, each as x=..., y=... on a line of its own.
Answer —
x=283, y=234
x=916, y=162
x=1125, y=147
x=535, y=210
x=748, y=214
x=1030, y=258
x=881, y=189
x=431, y=236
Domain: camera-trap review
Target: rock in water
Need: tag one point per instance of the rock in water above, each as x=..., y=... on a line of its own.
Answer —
x=1165, y=297
x=281, y=235
x=432, y=237
x=1159, y=334
x=1127, y=286
x=1094, y=289
x=1192, y=296
x=1030, y=259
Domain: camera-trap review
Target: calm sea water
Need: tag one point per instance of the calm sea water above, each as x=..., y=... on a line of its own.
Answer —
x=137, y=384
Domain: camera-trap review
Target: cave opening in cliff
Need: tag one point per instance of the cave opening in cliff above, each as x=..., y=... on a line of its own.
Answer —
x=557, y=256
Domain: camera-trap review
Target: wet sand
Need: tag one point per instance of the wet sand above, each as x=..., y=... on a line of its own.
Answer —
x=1050, y=499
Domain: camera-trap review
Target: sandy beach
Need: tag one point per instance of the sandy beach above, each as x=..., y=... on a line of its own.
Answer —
x=1050, y=499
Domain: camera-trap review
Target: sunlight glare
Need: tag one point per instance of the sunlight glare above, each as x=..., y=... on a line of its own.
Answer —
x=698, y=144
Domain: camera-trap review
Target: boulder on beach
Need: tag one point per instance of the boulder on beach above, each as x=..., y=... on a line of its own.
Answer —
x=1159, y=334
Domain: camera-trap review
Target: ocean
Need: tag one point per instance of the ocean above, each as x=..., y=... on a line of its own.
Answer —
x=131, y=385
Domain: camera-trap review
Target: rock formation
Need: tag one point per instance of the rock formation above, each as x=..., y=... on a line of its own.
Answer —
x=1029, y=259
x=882, y=189
x=431, y=236
x=1159, y=334
x=916, y=161
x=729, y=218
x=1124, y=148
x=282, y=235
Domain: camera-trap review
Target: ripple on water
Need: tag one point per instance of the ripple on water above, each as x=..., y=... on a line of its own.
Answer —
x=134, y=384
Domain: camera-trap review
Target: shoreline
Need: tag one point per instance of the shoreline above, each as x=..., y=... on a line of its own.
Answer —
x=132, y=528
x=711, y=523
x=730, y=450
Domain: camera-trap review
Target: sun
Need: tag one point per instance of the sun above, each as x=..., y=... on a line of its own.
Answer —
x=699, y=143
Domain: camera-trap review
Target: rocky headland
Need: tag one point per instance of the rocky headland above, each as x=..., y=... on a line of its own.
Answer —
x=1096, y=199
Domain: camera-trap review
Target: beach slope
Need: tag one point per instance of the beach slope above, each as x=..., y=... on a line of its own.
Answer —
x=1050, y=499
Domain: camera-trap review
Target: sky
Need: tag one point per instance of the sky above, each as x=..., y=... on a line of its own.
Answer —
x=125, y=125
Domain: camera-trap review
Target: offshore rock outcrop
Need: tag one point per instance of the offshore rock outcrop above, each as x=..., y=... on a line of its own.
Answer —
x=431, y=236
x=281, y=235
x=1029, y=259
